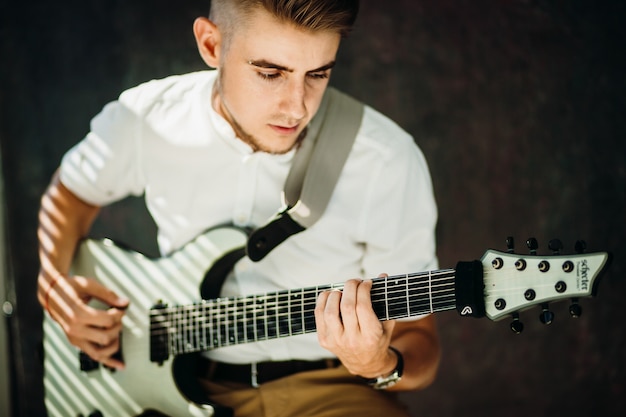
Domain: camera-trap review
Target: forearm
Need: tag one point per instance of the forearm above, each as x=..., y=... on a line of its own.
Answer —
x=418, y=343
x=64, y=219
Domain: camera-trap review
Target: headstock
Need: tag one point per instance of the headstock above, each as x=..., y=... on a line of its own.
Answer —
x=515, y=282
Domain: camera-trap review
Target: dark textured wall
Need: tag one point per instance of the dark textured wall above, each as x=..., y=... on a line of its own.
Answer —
x=517, y=105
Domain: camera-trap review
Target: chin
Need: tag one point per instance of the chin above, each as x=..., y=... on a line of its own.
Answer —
x=278, y=145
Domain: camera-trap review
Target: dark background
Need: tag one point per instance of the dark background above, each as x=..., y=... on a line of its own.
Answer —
x=517, y=104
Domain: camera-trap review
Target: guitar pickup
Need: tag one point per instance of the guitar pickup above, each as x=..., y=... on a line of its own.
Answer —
x=86, y=363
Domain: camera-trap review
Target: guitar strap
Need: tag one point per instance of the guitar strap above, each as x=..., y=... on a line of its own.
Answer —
x=314, y=173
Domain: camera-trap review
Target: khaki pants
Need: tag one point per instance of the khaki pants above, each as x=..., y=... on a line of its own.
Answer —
x=324, y=393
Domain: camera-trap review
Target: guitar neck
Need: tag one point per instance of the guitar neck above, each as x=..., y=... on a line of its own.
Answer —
x=230, y=321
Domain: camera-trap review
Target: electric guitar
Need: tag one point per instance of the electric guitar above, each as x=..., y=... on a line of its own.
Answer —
x=165, y=325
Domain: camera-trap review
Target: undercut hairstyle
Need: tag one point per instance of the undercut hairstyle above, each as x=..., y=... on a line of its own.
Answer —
x=313, y=15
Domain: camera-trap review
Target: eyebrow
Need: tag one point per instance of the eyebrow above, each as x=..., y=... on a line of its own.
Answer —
x=269, y=65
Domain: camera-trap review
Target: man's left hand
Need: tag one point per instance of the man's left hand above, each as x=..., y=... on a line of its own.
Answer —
x=348, y=327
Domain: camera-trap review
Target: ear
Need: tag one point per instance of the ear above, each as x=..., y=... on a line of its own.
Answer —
x=209, y=41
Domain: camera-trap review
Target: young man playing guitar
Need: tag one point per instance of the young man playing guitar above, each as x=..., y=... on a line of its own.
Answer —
x=215, y=147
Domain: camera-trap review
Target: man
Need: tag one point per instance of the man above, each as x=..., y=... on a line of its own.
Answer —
x=215, y=147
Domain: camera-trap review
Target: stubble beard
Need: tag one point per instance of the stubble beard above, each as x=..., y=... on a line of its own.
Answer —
x=254, y=143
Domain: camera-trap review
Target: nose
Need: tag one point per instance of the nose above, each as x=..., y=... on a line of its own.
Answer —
x=293, y=103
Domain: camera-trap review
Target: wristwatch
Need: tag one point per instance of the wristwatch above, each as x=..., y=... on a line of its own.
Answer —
x=384, y=382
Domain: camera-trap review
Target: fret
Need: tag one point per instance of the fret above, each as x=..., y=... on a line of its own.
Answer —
x=395, y=296
x=222, y=323
x=282, y=314
x=180, y=339
x=205, y=345
x=249, y=319
x=308, y=317
x=406, y=292
x=213, y=323
x=253, y=313
x=176, y=338
x=261, y=317
x=230, y=322
x=446, y=299
x=430, y=290
x=295, y=312
x=271, y=318
x=240, y=321
x=386, y=281
x=419, y=297
x=170, y=331
x=196, y=340
x=206, y=341
x=188, y=331
x=302, y=307
x=379, y=303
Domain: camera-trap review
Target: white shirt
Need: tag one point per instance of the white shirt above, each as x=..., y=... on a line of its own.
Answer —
x=163, y=139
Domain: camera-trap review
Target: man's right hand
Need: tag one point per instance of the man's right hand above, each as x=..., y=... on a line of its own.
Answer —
x=94, y=331
x=64, y=220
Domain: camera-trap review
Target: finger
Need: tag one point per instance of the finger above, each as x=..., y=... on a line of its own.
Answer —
x=332, y=312
x=114, y=363
x=364, y=301
x=104, y=354
x=320, y=307
x=348, y=306
x=88, y=316
x=327, y=319
x=93, y=289
x=100, y=336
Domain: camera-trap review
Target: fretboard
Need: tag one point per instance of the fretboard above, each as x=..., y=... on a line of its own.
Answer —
x=230, y=321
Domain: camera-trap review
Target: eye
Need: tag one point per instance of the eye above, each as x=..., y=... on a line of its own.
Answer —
x=268, y=76
x=319, y=75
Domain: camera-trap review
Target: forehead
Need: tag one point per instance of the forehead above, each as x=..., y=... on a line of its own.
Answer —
x=264, y=37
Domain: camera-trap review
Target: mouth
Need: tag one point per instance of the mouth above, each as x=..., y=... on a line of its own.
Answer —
x=285, y=130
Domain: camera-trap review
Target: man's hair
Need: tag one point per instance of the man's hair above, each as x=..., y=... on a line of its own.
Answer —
x=314, y=15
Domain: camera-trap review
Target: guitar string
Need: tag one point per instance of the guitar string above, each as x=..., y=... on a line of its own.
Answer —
x=280, y=299
x=189, y=319
x=273, y=300
x=278, y=296
x=278, y=304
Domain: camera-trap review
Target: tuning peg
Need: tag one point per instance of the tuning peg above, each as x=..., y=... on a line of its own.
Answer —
x=516, y=325
x=532, y=245
x=510, y=244
x=575, y=310
x=546, y=316
x=555, y=245
x=580, y=246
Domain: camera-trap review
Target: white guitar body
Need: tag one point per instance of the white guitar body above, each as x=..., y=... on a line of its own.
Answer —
x=143, y=384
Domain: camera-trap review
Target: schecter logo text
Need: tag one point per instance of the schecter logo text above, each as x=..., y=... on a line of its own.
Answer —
x=583, y=275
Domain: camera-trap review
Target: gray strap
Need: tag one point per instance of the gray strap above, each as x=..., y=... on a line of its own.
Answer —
x=314, y=173
x=308, y=191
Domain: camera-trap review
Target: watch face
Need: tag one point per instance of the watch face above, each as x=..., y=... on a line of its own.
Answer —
x=387, y=382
